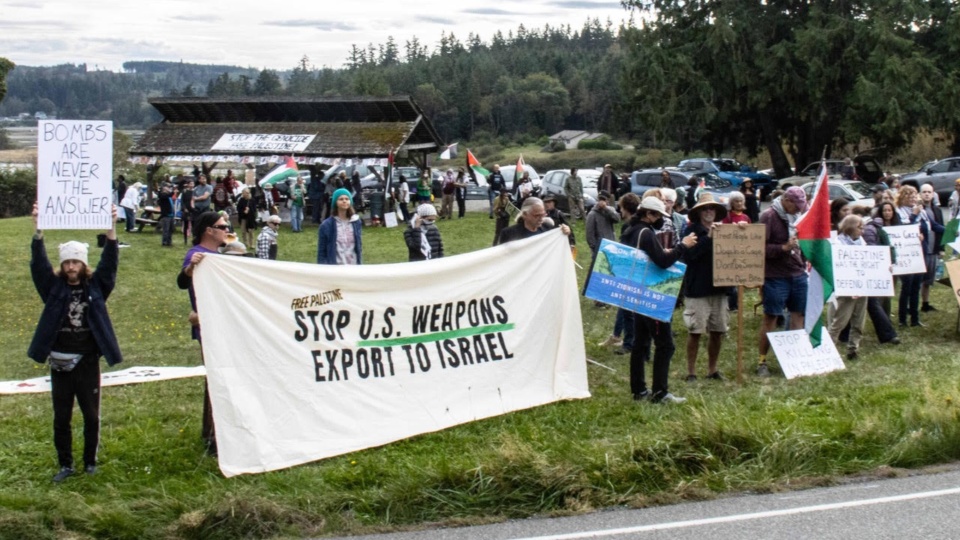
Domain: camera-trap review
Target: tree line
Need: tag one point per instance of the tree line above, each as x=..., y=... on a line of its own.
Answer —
x=792, y=78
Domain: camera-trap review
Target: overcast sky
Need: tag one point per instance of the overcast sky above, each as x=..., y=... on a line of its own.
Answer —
x=272, y=34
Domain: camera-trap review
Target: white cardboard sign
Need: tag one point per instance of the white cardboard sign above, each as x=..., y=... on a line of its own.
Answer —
x=74, y=174
x=797, y=356
x=906, y=240
x=862, y=271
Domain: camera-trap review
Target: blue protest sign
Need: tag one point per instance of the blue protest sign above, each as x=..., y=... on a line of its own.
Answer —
x=625, y=277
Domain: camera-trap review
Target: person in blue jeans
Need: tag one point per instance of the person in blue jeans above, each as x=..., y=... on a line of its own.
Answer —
x=297, y=193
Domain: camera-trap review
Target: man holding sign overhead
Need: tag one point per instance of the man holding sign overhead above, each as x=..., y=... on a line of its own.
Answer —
x=74, y=331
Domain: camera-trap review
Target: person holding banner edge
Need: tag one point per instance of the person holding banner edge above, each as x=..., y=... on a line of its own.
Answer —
x=641, y=232
x=73, y=332
x=209, y=233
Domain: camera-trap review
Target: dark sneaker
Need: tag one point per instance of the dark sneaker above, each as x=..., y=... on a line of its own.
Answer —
x=65, y=472
x=90, y=469
x=622, y=350
x=894, y=340
x=852, y=355
x=715, y=376
x=642, y=395
x=927, y=308
x=691, y=378
x=918, y=323
x=763, y=370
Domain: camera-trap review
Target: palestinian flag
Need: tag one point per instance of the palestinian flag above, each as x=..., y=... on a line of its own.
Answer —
x=285, y=170
x=813, y=231
x=518, y=172
x=473, y=166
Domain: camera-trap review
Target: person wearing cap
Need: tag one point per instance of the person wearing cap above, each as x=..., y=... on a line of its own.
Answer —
x=556, y=216
x=607, y=181
x=73, y=332
x=210, y=233
x=267, y=239
x=573, y=189
x=529, y=222
x=954, y=202
x=422, y=236
x=339, y=239
x=705, y=308
x=641, y=233
x=785, y=273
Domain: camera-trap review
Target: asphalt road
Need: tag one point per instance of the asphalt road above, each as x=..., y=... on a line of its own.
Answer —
x=923, y=506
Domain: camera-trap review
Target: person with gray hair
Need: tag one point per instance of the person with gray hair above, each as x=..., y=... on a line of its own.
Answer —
x=670, y=201
x=848, y=309
x=73, y=332
x=529, y=222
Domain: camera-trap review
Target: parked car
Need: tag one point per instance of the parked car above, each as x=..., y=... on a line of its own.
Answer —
x=732, y=171
x=857, y=192
x=647, y=179
x=373, y=183
x=509, y=170
x=555, y=181
x=868, y=170
x=941, y=175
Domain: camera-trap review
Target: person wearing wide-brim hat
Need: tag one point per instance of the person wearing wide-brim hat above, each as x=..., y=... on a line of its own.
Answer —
x=705, y=306
x=641, y=233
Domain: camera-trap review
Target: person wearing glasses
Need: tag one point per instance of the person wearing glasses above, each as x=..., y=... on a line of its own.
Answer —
x=209, y=233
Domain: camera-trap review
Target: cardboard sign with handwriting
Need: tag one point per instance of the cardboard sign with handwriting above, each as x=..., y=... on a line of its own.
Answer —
x=738, y=255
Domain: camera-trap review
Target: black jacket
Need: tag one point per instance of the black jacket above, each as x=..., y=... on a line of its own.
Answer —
x=634, y=236
x=55, y=294
x=412, y=237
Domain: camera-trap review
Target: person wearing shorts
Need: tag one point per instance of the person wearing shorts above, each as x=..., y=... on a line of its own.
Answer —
x=705, y=308
x=785, y=274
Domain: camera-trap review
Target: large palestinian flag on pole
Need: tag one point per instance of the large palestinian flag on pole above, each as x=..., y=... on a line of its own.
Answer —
x=813, y=231
x=474, y=168
x=285, y=170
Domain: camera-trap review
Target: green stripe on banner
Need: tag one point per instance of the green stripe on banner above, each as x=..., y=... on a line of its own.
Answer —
x=425, y=338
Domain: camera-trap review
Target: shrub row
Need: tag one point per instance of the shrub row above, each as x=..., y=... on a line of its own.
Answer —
x=18, y=190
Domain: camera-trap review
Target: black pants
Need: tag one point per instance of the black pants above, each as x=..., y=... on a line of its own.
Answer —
x=910, y=298
x=881, y=322
x=316, y=210
x=82, y=384
x=662, y=336
x=461, y=206
x=404, y=212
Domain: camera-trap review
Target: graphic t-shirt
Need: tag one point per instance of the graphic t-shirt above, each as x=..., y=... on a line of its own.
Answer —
x=74, y=335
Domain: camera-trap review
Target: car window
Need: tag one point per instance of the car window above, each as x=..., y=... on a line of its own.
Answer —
x=649, y=179
x=678, y=179
x=941, y=167
x=860, y=188
x=726, y=166
x=836, y=192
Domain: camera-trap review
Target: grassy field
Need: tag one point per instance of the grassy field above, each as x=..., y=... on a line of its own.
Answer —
x=896, y=407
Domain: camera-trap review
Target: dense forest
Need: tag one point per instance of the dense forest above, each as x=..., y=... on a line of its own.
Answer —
x=791, y=78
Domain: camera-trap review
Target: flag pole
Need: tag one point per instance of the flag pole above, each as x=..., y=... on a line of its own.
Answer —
x=740, y=334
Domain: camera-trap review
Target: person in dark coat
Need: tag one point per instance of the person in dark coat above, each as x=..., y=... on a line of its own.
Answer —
x=422, y=236
x=74, y=331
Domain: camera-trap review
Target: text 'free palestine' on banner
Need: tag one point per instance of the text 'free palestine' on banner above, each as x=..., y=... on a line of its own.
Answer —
x=308, y=361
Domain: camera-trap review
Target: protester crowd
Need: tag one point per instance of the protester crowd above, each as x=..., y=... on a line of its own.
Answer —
x=669, y=224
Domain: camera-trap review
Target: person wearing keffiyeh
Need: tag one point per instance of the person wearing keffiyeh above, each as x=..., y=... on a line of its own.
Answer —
x=422, y=236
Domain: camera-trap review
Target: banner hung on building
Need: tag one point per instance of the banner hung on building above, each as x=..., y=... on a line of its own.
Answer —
x=308, y=361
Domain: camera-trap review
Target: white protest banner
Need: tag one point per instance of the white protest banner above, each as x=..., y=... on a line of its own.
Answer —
x=262, y=142
x=390, y=219
x=335, y=359
x=906, y=240
x=74, y=174
x=132, y=375
x=953, y=271
x=862, y=270
x=798, y=358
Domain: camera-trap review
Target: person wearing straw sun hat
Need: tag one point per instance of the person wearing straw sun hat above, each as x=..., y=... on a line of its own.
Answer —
x=705, y=308
x=641, y=233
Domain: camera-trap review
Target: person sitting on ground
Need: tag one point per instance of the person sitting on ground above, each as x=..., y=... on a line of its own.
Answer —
x=422, y=236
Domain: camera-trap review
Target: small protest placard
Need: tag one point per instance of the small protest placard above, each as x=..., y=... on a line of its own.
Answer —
x=906, y=240
x=953, y=270
x=862, y=271
x=625, y=277
x=74, y=174
x=390, y=219
x=738, y=255
x=797, y=356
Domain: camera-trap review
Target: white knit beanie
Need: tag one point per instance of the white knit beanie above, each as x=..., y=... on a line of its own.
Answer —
x=74, y=251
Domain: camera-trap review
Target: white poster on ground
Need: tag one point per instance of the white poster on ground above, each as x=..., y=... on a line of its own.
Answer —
x=906, y=240
x=74, y=174
x=132, y=375
x=862, y=270
x=798, y=358
x=338, y=359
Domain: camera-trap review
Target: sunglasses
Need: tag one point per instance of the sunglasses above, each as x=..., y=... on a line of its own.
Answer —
x=221, y=227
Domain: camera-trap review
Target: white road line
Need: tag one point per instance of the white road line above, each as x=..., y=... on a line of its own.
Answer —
x=746, y=517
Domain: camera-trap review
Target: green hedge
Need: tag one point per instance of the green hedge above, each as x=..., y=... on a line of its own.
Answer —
x=18, y=190
x=602, y=143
